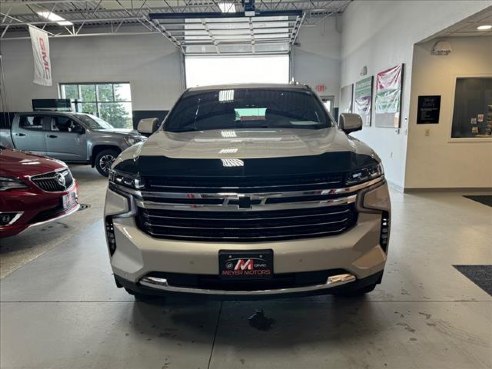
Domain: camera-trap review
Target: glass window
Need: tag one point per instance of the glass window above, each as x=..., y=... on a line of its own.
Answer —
x=88, y=92
x=31, y=122
x=247, y=108
x=472, y=116
x=94, y=122
x=64, y=124
x=70, y=92
x=105, y=92
x=110, y=101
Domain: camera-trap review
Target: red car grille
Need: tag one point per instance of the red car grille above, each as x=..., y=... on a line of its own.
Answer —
x=54, y=181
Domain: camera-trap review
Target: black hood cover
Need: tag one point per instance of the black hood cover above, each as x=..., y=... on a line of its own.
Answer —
x=327, y=163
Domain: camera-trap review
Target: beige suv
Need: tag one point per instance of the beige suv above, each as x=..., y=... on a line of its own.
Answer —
x=248, y=190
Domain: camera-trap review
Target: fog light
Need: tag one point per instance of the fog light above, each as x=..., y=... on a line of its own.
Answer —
x=9, y=218
x=110, y=237
x=385, y=231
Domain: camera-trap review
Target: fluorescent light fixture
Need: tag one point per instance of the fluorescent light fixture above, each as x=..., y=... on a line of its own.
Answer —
x=227, y=7
x=485, y=27
x=55, y=18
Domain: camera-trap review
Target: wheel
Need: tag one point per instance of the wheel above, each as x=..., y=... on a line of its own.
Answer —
x=104, y=160
x=357, y=293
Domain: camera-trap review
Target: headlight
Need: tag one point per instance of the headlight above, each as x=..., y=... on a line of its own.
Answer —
x=365, y=174
x=126, y=179
x=7, y=183
x=132, y=140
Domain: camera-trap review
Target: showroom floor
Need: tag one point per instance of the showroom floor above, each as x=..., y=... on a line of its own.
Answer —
x=60, y=308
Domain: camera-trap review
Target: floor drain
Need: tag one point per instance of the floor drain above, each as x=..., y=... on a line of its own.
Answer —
x=84, y=206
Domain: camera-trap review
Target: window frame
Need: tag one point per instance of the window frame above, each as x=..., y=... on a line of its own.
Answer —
x=450, y=110
x=77, y=103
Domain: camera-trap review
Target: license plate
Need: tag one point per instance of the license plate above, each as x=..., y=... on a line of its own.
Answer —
x=255, y=264
x=69, y=200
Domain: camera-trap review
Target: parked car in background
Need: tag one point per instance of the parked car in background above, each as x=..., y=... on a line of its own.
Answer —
x=71, y=137
x=33, y=190
x=248, y=190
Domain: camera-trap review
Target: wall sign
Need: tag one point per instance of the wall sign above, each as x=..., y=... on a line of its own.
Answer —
x=389, y=85
x=429, y=108
x=41, y=53
x=363, y=99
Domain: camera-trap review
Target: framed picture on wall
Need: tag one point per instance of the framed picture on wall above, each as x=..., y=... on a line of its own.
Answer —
x=387, y=106
x=363, y=99
x=428, y=109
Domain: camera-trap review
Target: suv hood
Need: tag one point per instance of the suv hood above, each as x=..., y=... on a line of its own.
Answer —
x=246, y=152
x=251, y=143
x=18, y=164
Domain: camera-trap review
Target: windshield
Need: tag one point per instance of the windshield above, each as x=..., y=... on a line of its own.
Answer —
x=247, y=108
x=93, y=122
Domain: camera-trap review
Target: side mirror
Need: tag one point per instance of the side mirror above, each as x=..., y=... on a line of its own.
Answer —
x=349, y=122
x=148, y=126
x=78, y=129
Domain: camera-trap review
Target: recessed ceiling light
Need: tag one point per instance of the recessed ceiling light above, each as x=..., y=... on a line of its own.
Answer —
x=485, y=27
x=55, y=18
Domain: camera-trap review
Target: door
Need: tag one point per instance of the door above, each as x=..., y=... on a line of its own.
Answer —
x=30, y=134
x=66, y=140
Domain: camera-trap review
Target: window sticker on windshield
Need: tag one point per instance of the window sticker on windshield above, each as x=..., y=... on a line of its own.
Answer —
x=245, y=114
x=226, y=95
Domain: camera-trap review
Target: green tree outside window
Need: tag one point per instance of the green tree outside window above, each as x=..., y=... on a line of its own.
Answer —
x=109, y=101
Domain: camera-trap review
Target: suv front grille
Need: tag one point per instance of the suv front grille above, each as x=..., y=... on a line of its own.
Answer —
x=245, y=184
x=54, y=181
x=243, y=210
x=247, y=226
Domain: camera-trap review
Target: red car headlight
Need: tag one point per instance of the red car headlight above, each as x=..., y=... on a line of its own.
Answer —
x=7, y=183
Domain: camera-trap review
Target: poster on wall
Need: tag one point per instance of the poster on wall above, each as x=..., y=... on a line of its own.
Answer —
x=428, y=109
x=41, y=53
x=346, y=99
x=363, y=99
x=388, y=97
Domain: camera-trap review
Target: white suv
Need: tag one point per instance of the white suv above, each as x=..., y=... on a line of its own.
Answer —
x=248, y=190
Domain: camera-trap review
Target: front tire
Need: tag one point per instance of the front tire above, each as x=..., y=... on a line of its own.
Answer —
x=104, y=160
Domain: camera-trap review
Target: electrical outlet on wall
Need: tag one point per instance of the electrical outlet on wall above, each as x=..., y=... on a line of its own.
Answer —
x=427, y=132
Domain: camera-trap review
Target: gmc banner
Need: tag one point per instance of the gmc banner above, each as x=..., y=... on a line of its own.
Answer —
x=41, y=52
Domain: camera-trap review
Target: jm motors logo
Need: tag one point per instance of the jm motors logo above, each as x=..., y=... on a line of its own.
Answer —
x=244, y=264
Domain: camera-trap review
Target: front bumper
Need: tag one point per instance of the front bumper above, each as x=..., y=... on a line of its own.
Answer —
x=35, y=207
x=356, y=253
x=345, y=286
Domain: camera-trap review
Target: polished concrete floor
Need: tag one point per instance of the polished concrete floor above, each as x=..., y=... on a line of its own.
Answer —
x=60, y=309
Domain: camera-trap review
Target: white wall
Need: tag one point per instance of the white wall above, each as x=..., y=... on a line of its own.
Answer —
x=381, y=34
x=149, y=62
x=317, y=59
x=436, y=161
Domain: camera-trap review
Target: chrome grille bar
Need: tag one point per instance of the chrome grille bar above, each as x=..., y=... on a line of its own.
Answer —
x=229, y=207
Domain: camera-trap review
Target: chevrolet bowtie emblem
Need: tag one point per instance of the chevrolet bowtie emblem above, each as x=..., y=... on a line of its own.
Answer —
x=245, y=202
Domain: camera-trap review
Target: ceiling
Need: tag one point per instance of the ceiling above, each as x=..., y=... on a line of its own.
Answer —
x=468, y=26
x=196, y=27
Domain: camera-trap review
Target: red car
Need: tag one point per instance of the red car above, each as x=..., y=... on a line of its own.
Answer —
x=33, y=190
